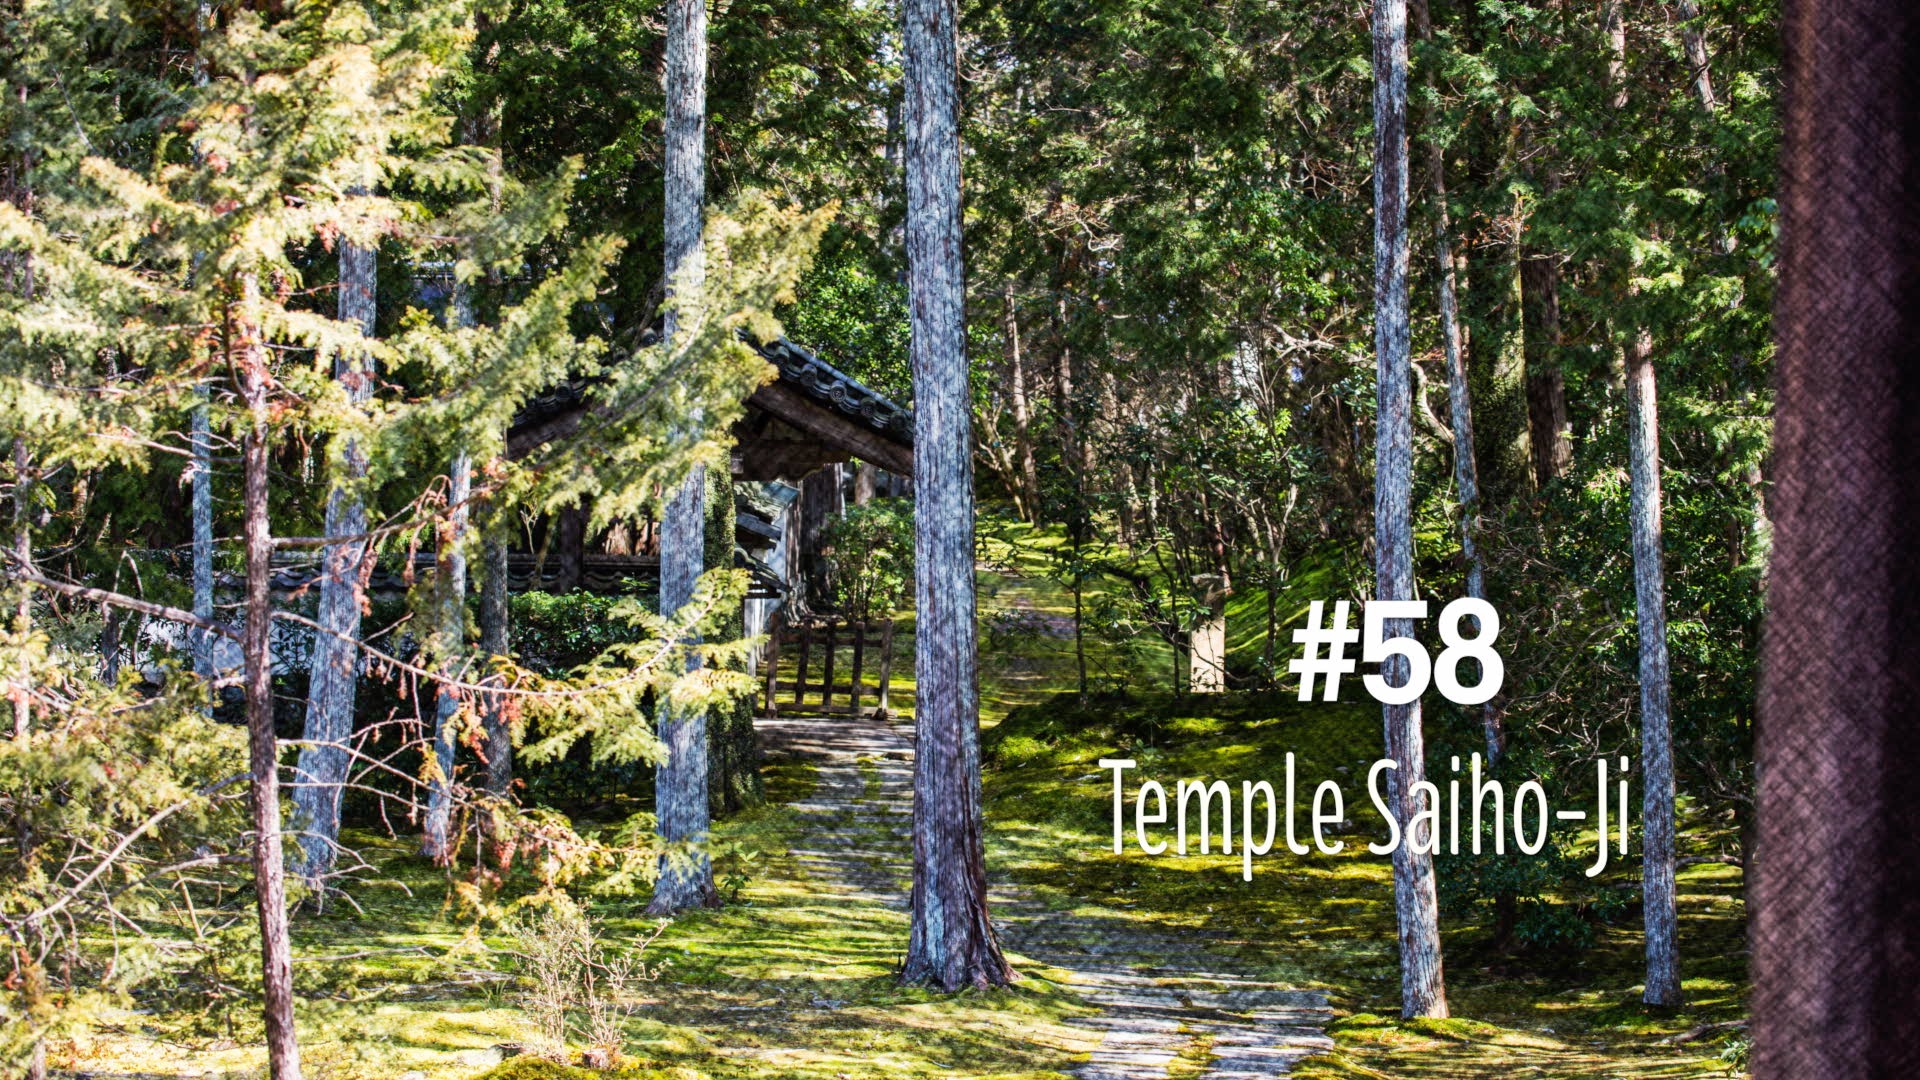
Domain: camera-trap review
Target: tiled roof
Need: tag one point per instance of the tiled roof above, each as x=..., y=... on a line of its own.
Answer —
x=799, y=368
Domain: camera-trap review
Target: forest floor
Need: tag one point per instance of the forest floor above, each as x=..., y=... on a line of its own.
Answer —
x=1133, y=966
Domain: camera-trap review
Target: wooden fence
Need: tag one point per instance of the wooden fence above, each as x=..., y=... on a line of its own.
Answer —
x=817, y=642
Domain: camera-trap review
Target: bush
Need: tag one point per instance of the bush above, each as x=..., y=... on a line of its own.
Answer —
x=869, y=554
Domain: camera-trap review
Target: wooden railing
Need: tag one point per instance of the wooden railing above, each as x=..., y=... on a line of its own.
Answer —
x=817, y=642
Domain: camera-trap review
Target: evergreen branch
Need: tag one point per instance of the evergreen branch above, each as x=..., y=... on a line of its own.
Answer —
x=106, y=596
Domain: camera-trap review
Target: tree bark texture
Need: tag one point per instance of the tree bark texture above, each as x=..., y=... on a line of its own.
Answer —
x=1549, y=434
x=450, y=592
x=733, y=749
x=1028, y=489
x=1466, y=474
x=951, y=944
x=680, y=779
x=200, y=449
x=200, y=439
x=334, y=664
x=1504, y=449
x=1422, y=986
x=1656, y=737
x=495, y=642
x=1695, y=44
x=23, y=561
x=1836, y=897
x=263, y=747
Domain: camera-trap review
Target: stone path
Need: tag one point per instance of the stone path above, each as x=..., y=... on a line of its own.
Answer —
x=1161, y=996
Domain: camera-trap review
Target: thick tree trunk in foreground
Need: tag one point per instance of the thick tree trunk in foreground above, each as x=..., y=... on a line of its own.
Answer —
x=335, y=664
x=1836, y=901
x=1695, y=44
x=1422, y=986
x=263, y=756
x=1656, y=737
x=952, y=944
x=680, y=781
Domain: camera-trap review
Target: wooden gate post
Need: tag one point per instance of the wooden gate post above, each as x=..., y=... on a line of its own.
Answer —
x=886, y=665
x=773, y=665
x=800, y=672
x=826, y=682
x=859, y=656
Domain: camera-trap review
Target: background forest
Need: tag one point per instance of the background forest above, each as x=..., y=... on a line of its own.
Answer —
x=277, y=278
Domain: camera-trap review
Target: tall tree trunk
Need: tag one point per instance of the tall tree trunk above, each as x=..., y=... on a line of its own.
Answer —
x=200, y=446
x=680, y=780
x=1466, y=476
x=23, y=563
x=733, y=778
x=1548, y=431
x=334, y=668
x=1422, y=986
x=1695, y=44
x=569, y=540
x=1650, y=611
x=952, y=943
x=1837, y=897
x=495, y=644
x=22, y=542
x=1127, y=510
x=200, y=438
x=1499, y=382
x=1029, y=472
x=263, y=756
x=450, y=594
x=1656, y=737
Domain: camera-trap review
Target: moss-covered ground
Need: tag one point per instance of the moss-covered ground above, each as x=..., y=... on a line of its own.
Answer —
x=786, y=983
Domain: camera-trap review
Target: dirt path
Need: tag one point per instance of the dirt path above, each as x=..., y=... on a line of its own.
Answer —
x=1161, y=996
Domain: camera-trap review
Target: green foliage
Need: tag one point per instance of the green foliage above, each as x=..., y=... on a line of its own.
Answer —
x=123, y=809
x=869, y=555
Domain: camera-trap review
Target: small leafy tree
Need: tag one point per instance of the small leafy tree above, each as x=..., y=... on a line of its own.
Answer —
x=869, y=554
